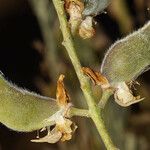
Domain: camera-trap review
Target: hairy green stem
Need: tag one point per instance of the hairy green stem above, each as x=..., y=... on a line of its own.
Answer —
x=78, y=112
x=94, y=111
x=105, y=97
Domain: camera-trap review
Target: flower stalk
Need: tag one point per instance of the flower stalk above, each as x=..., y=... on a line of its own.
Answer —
x=94, y=110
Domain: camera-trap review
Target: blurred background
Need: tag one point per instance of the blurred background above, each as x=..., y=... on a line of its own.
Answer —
x=32, y=57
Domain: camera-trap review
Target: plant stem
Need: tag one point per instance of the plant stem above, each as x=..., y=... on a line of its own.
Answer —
x=78, y=112
x=105, y=97
x=94, y=111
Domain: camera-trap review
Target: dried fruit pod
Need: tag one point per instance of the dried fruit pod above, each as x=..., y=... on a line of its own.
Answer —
x=128, y=57
x=94, y=7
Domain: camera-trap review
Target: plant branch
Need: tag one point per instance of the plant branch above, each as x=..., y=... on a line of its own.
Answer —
x=105, y=97
x=78, y=112
x=94, y=111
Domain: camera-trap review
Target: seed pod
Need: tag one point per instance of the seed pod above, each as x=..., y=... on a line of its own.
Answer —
x=25, y=111
x=128, y=58
x=94, y=7
x=125, y=61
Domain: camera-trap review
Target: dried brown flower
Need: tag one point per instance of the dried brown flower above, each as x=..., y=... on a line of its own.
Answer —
x=96, y=77
x=64, y=127
x=86, y=29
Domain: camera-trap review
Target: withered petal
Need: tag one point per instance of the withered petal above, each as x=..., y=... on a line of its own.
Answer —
x=53, y=137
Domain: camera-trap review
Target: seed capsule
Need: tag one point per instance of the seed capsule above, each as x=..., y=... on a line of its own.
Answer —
x=125, y=61
x=22, y=110
x=129, y=57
